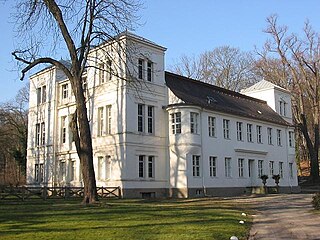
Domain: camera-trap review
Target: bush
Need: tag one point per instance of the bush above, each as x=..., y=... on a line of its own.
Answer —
x=316, y=201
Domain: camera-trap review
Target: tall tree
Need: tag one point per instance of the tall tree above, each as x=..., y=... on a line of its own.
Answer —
x=294, y=63
x=224, y=66
x=77, y=26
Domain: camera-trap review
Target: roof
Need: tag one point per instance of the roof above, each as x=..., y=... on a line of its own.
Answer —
x=263, y=84
x=211, y=97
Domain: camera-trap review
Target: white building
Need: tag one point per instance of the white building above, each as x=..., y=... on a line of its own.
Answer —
x=157, y=133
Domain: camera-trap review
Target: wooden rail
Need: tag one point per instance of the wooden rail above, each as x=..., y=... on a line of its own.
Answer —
x=44, y=193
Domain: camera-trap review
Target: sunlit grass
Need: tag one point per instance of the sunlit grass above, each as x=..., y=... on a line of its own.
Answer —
x=122, y=219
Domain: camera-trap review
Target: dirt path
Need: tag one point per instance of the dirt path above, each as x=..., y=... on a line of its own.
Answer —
x=284, y=217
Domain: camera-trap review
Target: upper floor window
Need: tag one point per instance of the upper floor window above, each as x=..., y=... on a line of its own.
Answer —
x=140, y=68
x=141, y=118
x=104, y=120
x=176, y=122
x=259, y=134
x=226, y=129
x=212, y=126
x=149, y=70
x=279, y=141
x=41, y=94
x=40, y=134
x=150, y=119
x=64, y=91
x=249, y=133
x=239, y=131
x=43, y=133
x=194, y=122
x=196, y=165
x=105, y=71
x=269, y=132
x=283, y=108
x=291, y=139
x=63, y=129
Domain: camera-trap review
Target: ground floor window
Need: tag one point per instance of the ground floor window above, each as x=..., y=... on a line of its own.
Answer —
x=38, y=172
x=271, y=168
x=291, y=170
x=213, y=166
x=281, y=169
x=196, y=165
x=260, y=168
x=62, y=171
x=240, y=167
x=146, y=166
x=227, y=167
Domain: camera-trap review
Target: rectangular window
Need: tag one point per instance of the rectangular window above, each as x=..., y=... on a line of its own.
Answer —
x=196, y=165
x=227, y=167
x=141, y=166
x=149, y=71
x=101, y=125
x=291, y=170
x=239, y=131
x=259, y=134
x=291, y=139
x=140, y=68
x=240, y=167
x=269, y=132
x=37, y=138
x=63, y=129
x=62, y=171
x=226, y=130
x=38, y=172
x=108, y=113
x=260, y=168
x=140, y=117
x=271, y=168
x=108, y=167
x=176, y=122
x=108, y=74
x=101, y=168
x=213, y=166
x=72, y=170
x=64, y=91
x=282, y=108
x=279, y=142
x=38, y=95
x=41, y=95
x=150, y=119
x=281, y=169
x=249, y=133
x=194, y=122
x=43, y=134
x=212, y=126
x=151, y=166
x=102, y=75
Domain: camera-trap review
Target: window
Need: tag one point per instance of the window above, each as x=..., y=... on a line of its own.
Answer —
x=108, y=111
x=194, y=122
x=281, y=169
x=150, y=119
x=240, y=167
x=269, y=132
x=104, y=168
x=140, y=68
x=291, y=170
x=271, y=168
x=64, y=91
x=151, y=166
x=100, y=121
x=63, y=129
x=213, y=166
x=41, y=95
x=72, y=170
x=212, y=126
x=38, y=172
x=226, y=130
x=37, y=140
x=176, y=122
x=239, y=131
x=105, y=71
x=149, y=71
x=291, y=139
x=279, y=142
x=43, y=134
x=141, y=166
x=282, y=108
x=249, y=133
x=62, y=171
x=259, y=134
x=108, y=73
x=260, y=168
x=140, y=117
x=227, y=167
x=196, y=165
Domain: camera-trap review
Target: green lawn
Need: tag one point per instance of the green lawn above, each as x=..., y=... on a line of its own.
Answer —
x=122, y=219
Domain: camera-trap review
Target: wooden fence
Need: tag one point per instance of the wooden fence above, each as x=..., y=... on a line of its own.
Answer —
x=44, y=193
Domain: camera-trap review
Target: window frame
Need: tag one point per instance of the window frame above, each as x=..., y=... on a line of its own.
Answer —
x=175, y=124
x=239, y=131
x=249, y=132
x=196, y=166
x=226, y=128
x=241, y=167
x=228, y=167
x=269, y=134
x=211, y=126
x=194, y=119
x=212, y=166
x=259, y=133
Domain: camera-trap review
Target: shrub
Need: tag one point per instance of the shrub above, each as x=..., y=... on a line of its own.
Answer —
x=316, y=201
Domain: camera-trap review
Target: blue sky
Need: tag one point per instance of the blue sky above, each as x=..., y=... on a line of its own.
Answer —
x=185, y=27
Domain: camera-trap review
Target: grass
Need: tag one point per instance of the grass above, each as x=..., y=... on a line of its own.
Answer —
x=122, y=219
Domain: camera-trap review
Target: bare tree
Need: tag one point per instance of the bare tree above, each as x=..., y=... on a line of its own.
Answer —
x=77, y=26
x=224, y=66
x=294, y=63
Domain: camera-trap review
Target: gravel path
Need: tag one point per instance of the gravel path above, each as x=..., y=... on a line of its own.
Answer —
x=288, y=216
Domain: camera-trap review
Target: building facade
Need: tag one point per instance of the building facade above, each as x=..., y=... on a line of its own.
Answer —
x=156, y=133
